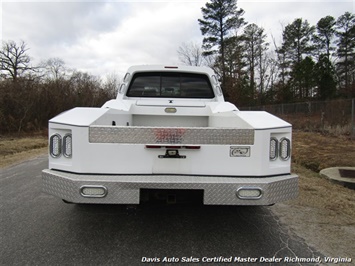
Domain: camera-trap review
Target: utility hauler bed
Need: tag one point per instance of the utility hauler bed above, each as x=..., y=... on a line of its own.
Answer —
x=169, y=130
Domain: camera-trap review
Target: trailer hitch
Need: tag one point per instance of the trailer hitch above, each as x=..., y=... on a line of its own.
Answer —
x=172, y=154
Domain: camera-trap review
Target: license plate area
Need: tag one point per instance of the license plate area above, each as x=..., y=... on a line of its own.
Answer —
x=172, y=196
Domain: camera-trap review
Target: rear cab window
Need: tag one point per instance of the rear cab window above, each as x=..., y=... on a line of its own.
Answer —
x=170, y=85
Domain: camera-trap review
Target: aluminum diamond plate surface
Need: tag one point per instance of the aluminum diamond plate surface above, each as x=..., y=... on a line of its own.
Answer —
x=125, y=189
x=174, y=135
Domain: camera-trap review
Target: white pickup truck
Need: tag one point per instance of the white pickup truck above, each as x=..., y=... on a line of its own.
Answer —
x=169, y=134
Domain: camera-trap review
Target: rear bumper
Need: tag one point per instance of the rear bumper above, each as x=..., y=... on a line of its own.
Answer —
x=125, y=189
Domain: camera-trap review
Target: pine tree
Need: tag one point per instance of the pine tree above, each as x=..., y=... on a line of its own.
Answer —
x=255, y=46
x=296, y=45
x=325, y=33
x=325, y=78
x=221, y=19
x=303, y=78
x=346, y=49
x=296, y=40
x=324, y=69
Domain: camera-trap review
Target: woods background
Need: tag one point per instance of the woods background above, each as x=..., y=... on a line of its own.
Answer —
x=311, y=63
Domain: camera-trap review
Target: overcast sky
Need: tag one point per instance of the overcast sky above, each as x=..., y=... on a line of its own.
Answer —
x=106, y=37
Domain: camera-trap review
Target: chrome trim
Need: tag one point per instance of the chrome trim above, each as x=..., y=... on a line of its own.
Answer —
x=64, y=145
x=93, y=196
x=239, y=151
x=276, y=149
x=249, y=188
x=51, y=145
x=288, y=149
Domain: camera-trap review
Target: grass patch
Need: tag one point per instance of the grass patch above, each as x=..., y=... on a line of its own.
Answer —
x=316, y=151
x=16, y=149
x=320, y=193
x=323, y=214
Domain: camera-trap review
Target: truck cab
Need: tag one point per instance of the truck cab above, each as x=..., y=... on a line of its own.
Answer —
x=169, y=131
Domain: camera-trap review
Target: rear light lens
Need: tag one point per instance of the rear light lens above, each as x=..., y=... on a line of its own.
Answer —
x=274, y=143
x=171, y=110
x=192, y=147
x=285, y=149
x=59, y=145
x=55, y=145
x=249, y=193
x=67, y=146
x=90, y=191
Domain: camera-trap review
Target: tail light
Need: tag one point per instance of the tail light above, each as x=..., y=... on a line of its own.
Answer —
x=67, y=146
x=59, y=145
x=285, y=149
x=273, y=149
x=55, y=145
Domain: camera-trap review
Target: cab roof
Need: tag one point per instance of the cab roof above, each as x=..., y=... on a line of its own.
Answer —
x=171, y=68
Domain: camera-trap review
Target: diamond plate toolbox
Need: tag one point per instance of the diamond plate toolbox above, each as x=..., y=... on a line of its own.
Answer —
x=173, y=135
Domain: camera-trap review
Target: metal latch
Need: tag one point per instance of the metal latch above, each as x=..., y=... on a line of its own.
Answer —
x=172, y=154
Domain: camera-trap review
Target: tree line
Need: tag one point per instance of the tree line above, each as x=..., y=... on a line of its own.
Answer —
x=30, y=95
x=313, y=62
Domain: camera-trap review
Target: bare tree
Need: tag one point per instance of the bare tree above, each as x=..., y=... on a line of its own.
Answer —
x=14, y=61
x=190, y=54
x=111, y=84
x=55, y=67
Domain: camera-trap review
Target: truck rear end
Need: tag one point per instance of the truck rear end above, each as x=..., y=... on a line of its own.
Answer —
x=169, y=131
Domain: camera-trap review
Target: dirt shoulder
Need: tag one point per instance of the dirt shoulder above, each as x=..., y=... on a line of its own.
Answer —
x=324, y=212
x=14, y=150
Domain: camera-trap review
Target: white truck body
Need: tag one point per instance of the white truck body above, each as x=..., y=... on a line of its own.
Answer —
x=169, y=129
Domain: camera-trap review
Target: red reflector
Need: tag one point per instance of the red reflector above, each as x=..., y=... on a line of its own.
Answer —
x=173, y=147
x=170, y=67
x=153, y=146
x=193, y=147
